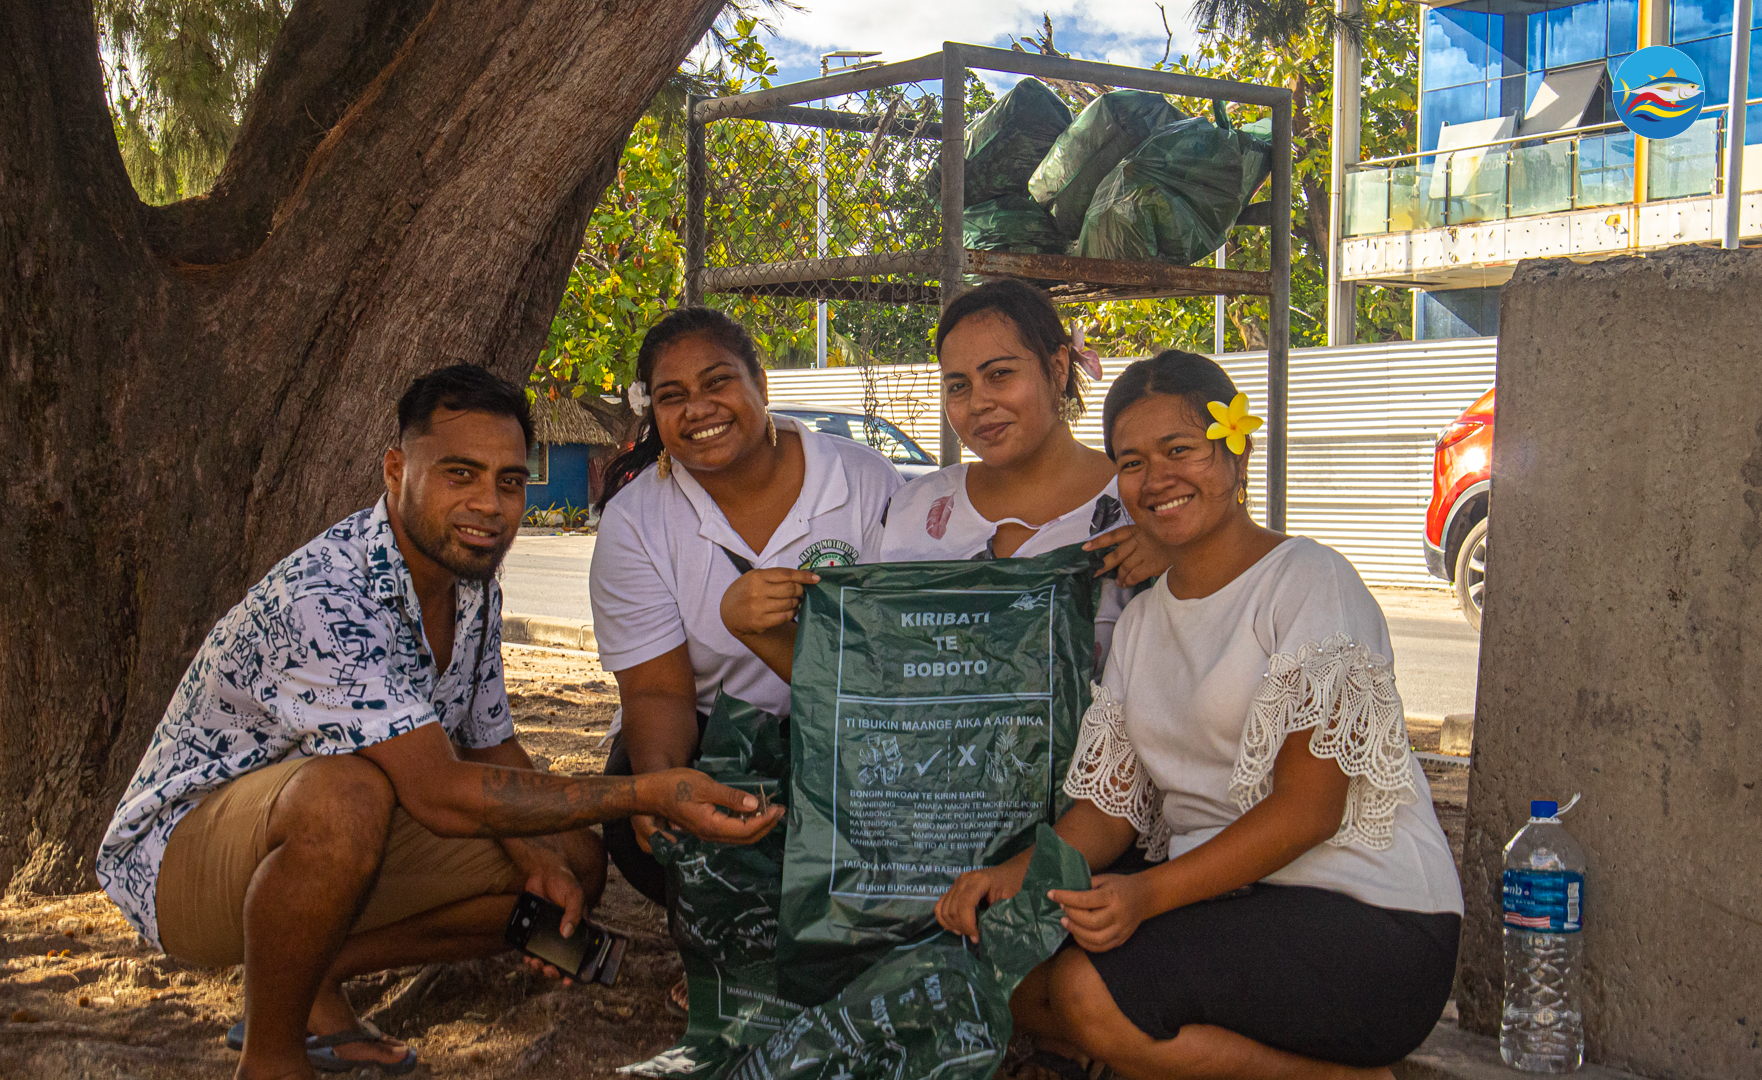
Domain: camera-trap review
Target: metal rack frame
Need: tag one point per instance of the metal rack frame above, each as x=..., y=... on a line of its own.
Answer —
x=1076, y=279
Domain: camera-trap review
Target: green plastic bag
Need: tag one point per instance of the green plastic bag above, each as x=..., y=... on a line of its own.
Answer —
x=1109, y=128
x=1176, y=197
x=1005, y=144
x=1011, y=223
x=934, y=1008
x=723, y=901
x=933, y=714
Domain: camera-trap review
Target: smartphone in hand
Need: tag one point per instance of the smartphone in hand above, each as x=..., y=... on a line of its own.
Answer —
x=592, y=953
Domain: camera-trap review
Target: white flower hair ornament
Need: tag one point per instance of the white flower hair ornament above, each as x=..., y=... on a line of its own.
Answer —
x=1233, y=423
x=638, y=396
x=1087, y=359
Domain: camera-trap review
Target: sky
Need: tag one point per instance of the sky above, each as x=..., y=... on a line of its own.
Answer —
x=1116, y=31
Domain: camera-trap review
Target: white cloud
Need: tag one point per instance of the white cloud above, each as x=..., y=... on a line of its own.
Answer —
x=1119, y=31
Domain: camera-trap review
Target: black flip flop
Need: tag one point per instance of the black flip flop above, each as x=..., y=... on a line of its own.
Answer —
x=321, y=1050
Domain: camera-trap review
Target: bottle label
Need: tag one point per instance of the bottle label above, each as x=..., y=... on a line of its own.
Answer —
x=1545, y=901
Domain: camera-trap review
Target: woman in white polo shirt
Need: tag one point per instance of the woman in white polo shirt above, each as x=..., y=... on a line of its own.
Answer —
x=713, y=487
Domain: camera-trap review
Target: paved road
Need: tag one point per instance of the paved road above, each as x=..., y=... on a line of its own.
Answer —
x=1436, y=654
x=547, y=575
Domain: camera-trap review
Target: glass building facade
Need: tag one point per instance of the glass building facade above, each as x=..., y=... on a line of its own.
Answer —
x=1487, y=58
x=1551, y=66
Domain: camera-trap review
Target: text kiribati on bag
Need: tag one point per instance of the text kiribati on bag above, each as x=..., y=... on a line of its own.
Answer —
x=934, y=712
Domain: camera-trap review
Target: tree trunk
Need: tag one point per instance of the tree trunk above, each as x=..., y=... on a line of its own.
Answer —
x=190, y=392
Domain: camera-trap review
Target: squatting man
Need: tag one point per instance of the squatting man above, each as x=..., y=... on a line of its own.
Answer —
x=336, y=787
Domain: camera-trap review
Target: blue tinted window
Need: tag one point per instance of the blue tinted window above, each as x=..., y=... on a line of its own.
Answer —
x=1624, y=26
x=1614, y=66
x=1456, y=105
x=1509, y=96
x=1752, y=127
x=1537, y=36
x=1456, y=46
x=1577, y=34
x=1691, y=19
x=1713, y=57
x=1496, y=65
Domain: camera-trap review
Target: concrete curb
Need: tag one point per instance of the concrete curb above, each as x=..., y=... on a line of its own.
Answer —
x=1453, y=1054
x=547, y=630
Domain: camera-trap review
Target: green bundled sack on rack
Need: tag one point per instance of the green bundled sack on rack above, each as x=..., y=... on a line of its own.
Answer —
x=1108, y=128
x=1175, y=198
x=934, y=712
x=935, y=1008
x=723, y=901
x=1005, y=144
x=1011, y=223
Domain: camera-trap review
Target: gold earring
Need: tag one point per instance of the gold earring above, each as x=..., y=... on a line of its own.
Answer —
x=771, y=429
x=663, y=466
x=1242, y=495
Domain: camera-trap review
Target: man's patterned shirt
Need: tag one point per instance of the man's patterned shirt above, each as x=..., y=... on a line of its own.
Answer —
x=325, y=655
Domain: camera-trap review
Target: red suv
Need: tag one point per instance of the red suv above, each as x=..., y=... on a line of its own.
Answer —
x=1456, y=521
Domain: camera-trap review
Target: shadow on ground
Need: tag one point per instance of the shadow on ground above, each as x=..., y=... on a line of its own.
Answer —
x=81, y=997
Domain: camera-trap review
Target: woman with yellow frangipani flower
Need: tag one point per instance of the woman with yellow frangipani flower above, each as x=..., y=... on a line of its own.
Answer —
x=1301, y=911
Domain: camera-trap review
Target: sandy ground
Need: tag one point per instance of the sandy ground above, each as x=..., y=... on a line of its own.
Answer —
x=81, y=998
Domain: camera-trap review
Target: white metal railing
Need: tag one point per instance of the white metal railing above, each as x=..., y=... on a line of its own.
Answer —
x=1523, y=176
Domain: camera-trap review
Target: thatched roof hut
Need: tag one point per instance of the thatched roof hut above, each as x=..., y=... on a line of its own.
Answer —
x=564, y=421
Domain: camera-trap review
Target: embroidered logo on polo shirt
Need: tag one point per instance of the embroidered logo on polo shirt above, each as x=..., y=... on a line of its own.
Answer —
x=823, y=553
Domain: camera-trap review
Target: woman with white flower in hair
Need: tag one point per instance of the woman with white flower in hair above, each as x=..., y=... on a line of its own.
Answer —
x=715, y=494
x=1303, y=917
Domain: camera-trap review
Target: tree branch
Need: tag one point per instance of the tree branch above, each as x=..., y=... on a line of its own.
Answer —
x=327, y=53
x=57, y=142
x=455, y=190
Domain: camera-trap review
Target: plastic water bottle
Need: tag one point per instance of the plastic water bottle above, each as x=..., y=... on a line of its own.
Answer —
x=1542, y=1028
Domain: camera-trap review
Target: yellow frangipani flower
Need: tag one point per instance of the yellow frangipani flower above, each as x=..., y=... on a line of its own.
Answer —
x=606, y=381
x=1233, y=423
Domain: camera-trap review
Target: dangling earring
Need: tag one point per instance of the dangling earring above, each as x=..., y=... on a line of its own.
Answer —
x=1070, y=410
x=1242, y=495
x=771, y=429
x=663, y=466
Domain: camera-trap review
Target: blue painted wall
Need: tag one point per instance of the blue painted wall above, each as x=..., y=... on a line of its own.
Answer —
x=567, y=484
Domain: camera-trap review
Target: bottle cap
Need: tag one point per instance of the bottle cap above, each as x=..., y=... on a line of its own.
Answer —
x=1544, y=808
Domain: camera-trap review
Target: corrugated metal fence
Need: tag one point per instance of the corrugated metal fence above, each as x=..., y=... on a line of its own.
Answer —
x=1363, y=419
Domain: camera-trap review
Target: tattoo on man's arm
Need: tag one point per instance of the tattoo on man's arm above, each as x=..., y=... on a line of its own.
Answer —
x=519, y=802
x=682, y=791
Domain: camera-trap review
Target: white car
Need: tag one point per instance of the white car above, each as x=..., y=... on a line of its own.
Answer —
x=907, y=456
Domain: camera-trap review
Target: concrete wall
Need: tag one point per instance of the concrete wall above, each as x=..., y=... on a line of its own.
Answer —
x=1621, y=654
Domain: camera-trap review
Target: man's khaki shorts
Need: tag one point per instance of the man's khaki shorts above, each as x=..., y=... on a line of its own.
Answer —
x=215, y=849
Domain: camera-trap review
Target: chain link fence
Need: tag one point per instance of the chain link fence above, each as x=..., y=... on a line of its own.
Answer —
x=782, y=192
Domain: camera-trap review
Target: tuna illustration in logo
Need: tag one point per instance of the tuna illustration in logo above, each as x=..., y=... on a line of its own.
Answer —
x=1659, y=92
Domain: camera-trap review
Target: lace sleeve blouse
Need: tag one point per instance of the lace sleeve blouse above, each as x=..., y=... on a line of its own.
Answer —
x=1200, y=695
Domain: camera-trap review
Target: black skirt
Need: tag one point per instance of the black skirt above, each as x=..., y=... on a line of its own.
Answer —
x=1310, y=971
